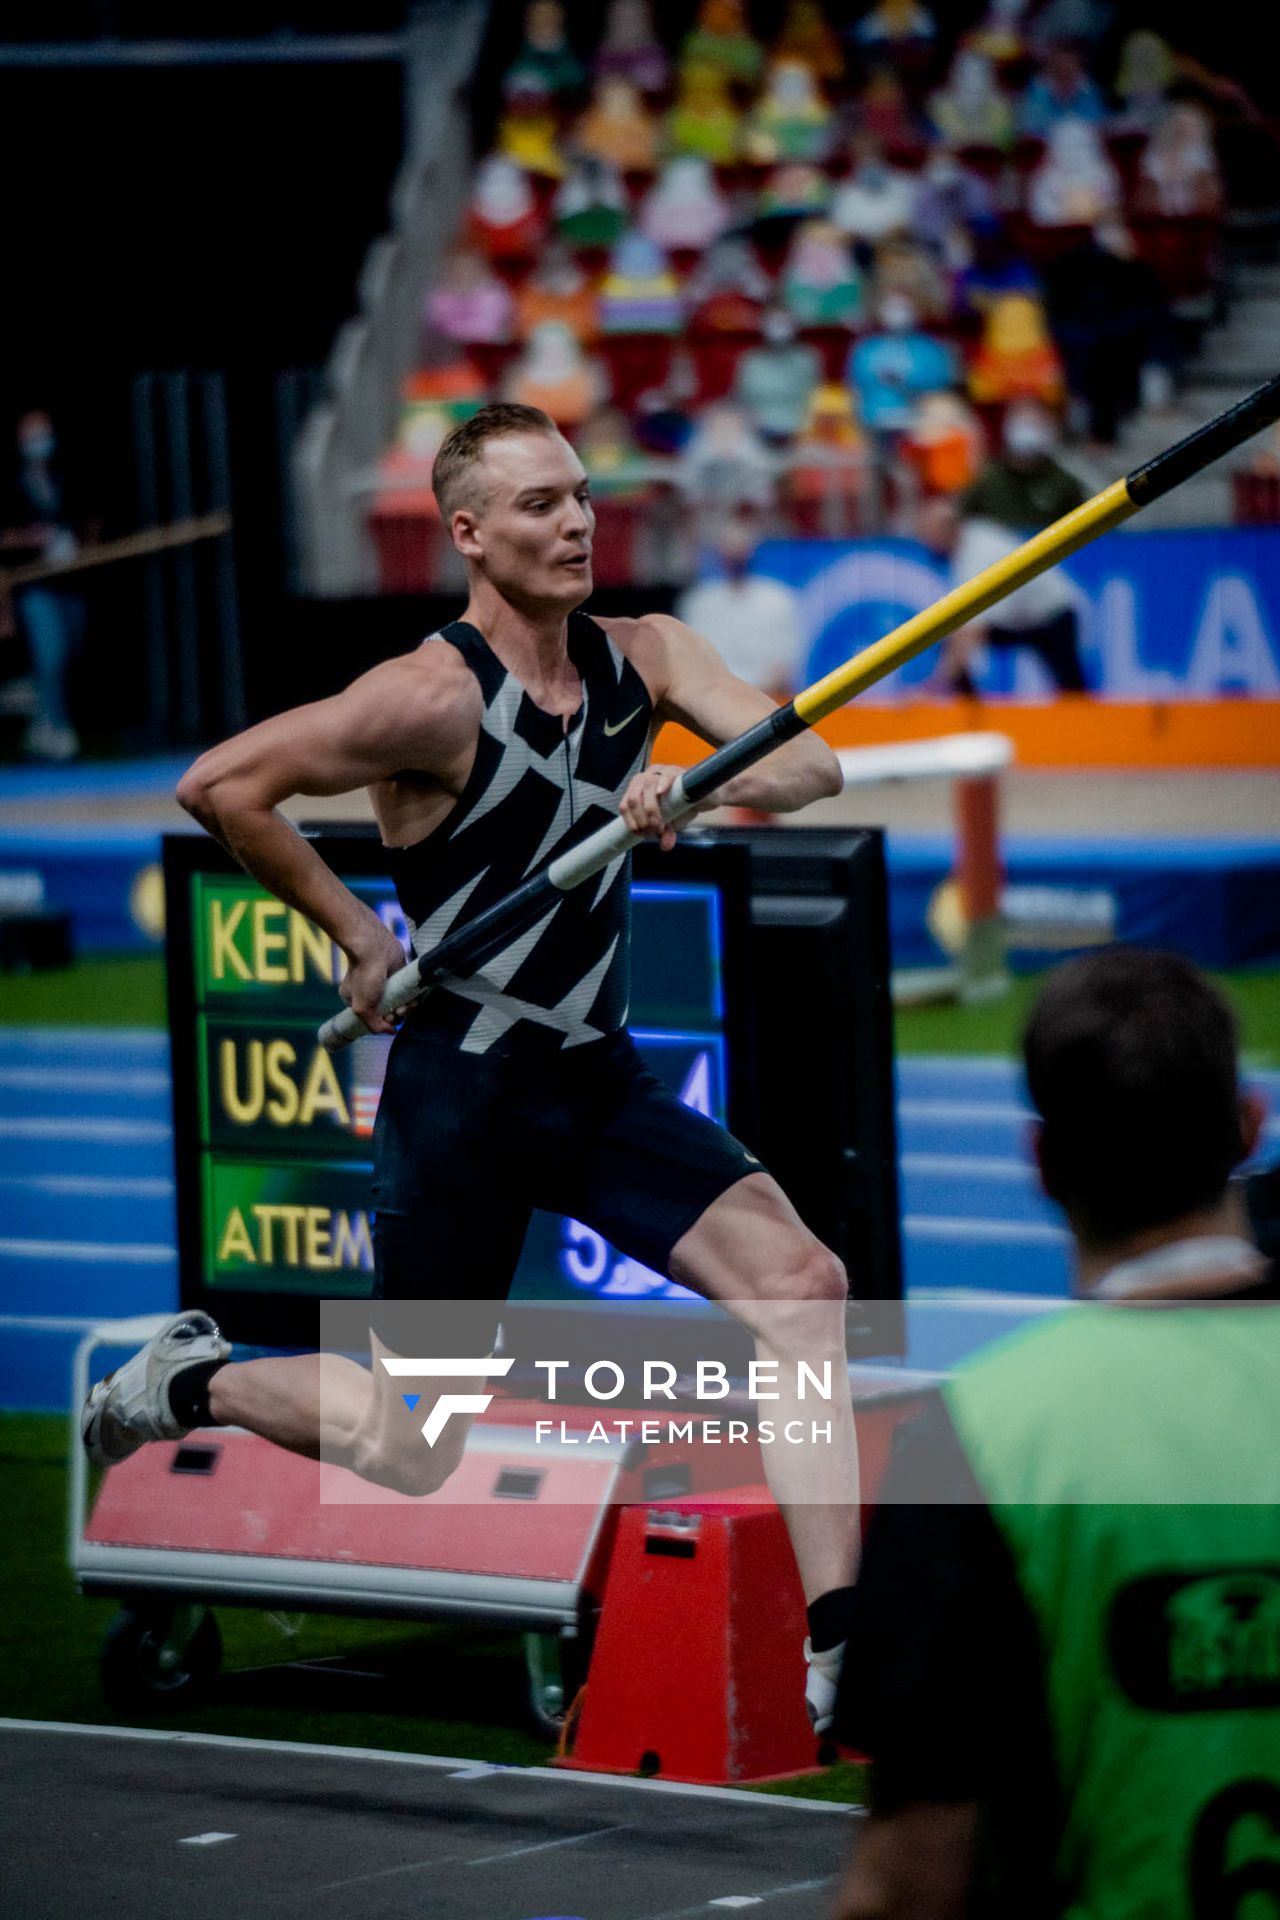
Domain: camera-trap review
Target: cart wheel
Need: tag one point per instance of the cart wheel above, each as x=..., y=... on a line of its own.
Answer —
x=557, y=1666
x=155, y=1657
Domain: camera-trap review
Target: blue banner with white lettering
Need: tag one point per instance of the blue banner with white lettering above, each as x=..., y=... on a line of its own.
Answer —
x=1165, y=615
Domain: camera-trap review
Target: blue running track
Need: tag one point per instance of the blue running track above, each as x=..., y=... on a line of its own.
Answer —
x=87, y=1226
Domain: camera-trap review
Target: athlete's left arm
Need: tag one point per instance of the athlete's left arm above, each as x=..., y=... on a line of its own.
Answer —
x=693, y=686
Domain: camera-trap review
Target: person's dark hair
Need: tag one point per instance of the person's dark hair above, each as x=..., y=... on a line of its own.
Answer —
x=1131, y=1064
x=463, y=447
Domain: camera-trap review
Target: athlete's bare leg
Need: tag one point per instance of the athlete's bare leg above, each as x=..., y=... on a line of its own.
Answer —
x=331, y=1408
x=751, y=1250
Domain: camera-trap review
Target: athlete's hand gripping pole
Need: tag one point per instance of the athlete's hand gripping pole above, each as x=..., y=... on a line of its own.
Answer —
x=480, y=939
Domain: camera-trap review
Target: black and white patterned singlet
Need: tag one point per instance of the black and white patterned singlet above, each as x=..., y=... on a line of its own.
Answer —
x=534, y=791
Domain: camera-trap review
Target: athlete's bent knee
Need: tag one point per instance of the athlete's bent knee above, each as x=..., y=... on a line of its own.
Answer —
x=817, y=1275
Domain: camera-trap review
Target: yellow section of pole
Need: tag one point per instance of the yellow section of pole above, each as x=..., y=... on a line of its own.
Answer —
x=1106, y=510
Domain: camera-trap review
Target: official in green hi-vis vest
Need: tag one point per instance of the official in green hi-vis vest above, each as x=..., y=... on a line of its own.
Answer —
x=1065, y=1662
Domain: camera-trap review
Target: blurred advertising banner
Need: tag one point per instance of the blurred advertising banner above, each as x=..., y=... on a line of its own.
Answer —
x=1166, y=615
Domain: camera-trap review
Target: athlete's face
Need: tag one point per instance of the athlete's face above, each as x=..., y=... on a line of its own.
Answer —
x=529, y=530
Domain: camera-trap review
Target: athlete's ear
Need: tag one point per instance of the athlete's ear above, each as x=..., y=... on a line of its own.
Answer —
x=464, y=529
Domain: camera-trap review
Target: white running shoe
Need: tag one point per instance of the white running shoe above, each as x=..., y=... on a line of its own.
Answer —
x=131, y=1406
x=821, y=1681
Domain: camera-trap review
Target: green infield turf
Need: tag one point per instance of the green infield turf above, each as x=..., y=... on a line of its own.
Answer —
x=128, y=991
x=996, y=1027
x=111, y=990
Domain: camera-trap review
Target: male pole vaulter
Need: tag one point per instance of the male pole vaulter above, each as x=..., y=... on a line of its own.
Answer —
x=501, y=741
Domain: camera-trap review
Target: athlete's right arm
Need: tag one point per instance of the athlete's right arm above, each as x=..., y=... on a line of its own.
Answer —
x=410, y=714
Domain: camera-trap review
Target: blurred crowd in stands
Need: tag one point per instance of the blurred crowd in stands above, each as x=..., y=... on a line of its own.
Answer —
x=815, y=283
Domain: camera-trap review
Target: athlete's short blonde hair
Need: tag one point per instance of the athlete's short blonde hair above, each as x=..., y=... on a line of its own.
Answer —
x=453, y=474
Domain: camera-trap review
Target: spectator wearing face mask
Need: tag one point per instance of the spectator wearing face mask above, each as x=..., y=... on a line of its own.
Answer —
x=890, y=370
x=1075, y=184
x=725, y=467
x=1062, y=90
x=753, y=622
x=50, y=615
x=904, y=266
x=876, y=199
x=774, y=381
x=1023, y=487
x=1023, y=490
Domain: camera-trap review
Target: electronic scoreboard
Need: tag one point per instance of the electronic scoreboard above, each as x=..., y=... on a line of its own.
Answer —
x=760, y=994
x=273, y=1135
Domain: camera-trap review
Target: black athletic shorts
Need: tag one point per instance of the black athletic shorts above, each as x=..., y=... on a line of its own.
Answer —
x=467, y=1145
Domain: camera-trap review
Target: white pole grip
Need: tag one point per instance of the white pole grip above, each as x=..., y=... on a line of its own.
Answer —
x=595, y=853
x=401, y=989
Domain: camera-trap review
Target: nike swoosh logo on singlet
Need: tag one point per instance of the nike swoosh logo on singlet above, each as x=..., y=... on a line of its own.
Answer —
x=609, y=731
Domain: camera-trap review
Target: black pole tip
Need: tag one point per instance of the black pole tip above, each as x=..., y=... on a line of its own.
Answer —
x=1208, y=443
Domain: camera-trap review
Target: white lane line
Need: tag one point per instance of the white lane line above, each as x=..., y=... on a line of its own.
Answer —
x=204, y=1839
x=737, y=1900
x=86, y=1080
x=92, y=1186
x=968, y=1166
x=46, y=1127
x=914, y=1068
x=980, y=1065
x=142, y=1253
x=1011, y=1306
x=770, y=1893
x=45, y=1323
x=986, y=1113
x=1014, y=1233
x=547, y=1846
x=969, y=1113
x=83, y=1039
